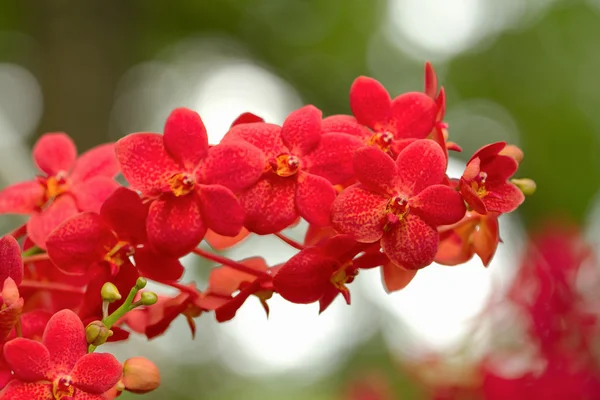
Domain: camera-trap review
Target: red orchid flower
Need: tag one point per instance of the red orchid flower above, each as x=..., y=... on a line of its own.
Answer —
x=68, y=184
x=474, y=234
x=400, y=203
x=59, y=367
x=155, y=320
x=190, y=185
x=484, y=184
x=32, y=327
x=409, y=116
x=395, y=277
x=321, y=272
x=110, y=237
x=300, y=166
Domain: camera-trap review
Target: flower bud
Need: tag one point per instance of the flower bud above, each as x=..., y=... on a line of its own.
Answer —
x=140, y=375
x=96, y=333
x=148, y=298
x=110, y=292
x=527, y=186
x=10, y=292
x=141, y=283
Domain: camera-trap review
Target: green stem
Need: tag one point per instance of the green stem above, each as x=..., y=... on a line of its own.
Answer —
x=32, y=251
x=122, y=310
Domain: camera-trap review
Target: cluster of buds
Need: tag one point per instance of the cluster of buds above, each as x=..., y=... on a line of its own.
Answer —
x=372, y=186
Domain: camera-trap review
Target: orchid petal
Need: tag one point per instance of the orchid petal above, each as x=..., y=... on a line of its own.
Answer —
x=174, y=225
x=185, y=137
x=145, y=163
x=96, y=373
x=360, y=213
x=370, y=102
x=54, y=153
x=411, y=243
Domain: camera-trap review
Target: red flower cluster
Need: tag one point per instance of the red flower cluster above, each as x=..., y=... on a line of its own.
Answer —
x=372, y=186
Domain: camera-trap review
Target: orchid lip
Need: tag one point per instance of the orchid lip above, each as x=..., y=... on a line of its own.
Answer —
x=284, y=165
x=181, y=184
x=63, y=387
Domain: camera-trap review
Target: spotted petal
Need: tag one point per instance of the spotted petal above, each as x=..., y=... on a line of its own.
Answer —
x=157, y=266
x=54, y=153
x=370, y=102
x=301, y=130
x=17, y=390
x=145, y=163
x=503, y=198
x=333, y=157
x=269, y=205
x=421, y=164
x=97, y=161
x=11, y=264
x=266, y=137
x=174, y=224
x=305, y=277
x=79, y=242
x=96, y=373
x=345, y=124
x=412, y=115
x=185, y=137
x=29, y=360
x=438, y=205
x=64, y=337
x=314, y=196
x=375, y=170
x=235, y=165
x=21, y=198
x=221, y=210
x=91, y=194
x=411, y=243
x=125, y=213
x=360, y=212
x=42, y=223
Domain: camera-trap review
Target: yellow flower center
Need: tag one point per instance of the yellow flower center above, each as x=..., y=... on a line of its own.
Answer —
x=63, y=387
x=284, y=165
x=54, y=186
x=117, y=255
x=383, y=140
x=478, y=185
x=182, y=184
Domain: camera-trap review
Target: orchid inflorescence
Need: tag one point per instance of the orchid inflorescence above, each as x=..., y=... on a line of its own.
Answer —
x=372, y=187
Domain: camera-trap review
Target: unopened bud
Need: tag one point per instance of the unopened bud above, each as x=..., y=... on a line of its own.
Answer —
x=141, y=283
x=110, y=292
x=10, y=292
x=96, y=333
x=527, y=186
x=148, y=298
x=513, y=151
x=140, y=375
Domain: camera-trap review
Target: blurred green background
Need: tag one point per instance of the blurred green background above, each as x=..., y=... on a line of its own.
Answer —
x=524, y=71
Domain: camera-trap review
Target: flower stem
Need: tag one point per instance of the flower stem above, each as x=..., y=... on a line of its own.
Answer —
x=19, y=232
x=35, y=257
x=51, y=286
x=290, y=241
x=31, y=251
x=230, y=263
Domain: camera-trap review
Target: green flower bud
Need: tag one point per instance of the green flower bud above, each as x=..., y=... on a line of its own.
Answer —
x=141, y=283
x=110, y=292
x=96, y=333
x=148, y=298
